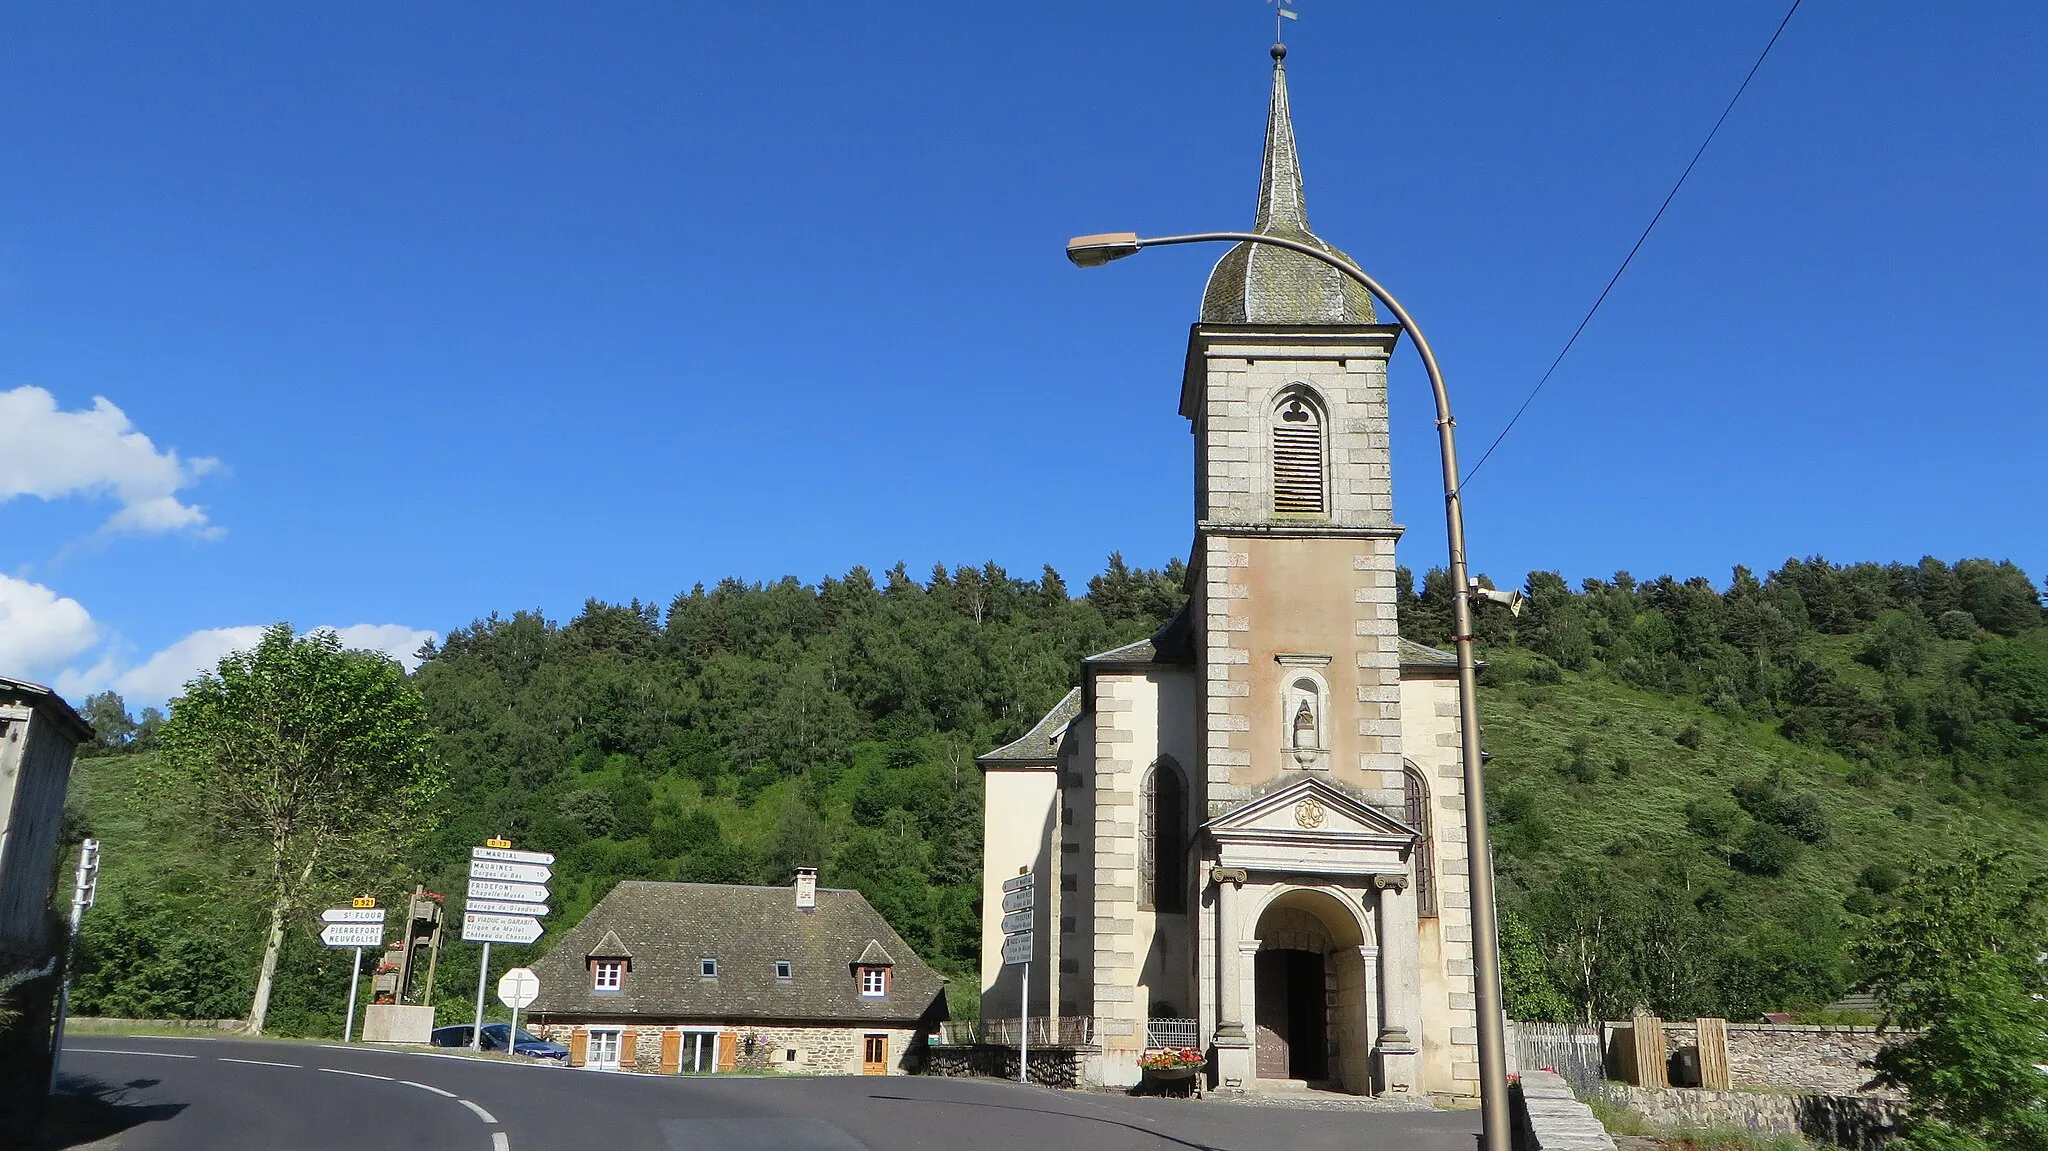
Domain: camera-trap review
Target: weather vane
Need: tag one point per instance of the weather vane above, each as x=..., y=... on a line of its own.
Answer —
x=1281, y=12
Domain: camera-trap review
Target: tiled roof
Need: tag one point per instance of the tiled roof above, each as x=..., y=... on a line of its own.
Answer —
x=1417, y=655
x=1173, y=643
x=1264, y=284
x=1041, y=743
x=671, y=927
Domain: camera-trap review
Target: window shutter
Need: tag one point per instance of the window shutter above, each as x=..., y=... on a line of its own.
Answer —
x=671, y=1053
x=1297, y=459
x=629, y=1048
x=728, y=1050
x=579, y=1047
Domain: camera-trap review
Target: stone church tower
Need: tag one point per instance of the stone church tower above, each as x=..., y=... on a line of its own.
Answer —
x=1250, y=826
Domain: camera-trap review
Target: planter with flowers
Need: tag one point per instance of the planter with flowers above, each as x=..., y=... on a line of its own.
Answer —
x=1172, y=1065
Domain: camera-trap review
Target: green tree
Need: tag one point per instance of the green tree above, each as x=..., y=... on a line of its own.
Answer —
x=312, y=759
x=1958, y=958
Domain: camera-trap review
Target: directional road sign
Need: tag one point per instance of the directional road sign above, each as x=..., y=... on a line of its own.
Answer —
x=1017, y=948
x=518, y=988
x=499, y=889
x=505, y=907
x=353, y=935
x=1018, y=882
x=514, y=872
x=480, y=928
x=1016, y=921
x=1021, y=900
x=507, y=855
x=353, y=915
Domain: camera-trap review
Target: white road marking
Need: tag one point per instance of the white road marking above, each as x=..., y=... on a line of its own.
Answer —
x=259, y=1062
x=428, y=1087
x=118, y=1051
x=480, y=1112
x=357, y=1074
x=499, y=1142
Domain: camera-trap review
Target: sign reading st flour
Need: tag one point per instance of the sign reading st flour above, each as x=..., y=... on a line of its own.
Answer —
x=352, y=927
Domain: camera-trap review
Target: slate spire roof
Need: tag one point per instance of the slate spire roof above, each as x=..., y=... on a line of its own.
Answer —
x=1262, y=284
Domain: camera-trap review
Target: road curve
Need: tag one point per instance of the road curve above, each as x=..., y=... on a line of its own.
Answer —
x=180, y=1094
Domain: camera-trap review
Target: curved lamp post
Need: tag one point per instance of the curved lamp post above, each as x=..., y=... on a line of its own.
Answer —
x=1094, y=251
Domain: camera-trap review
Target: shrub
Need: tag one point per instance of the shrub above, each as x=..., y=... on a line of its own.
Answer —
x=1692, y=737
x=1714, y=820
x=1956, y=625
x=1765, y=850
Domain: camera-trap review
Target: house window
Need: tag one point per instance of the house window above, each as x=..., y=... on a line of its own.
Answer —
x=607, y=975
x=707, y=967
x=1162, y=847
x=1297, y=456
x=1415, y=807
x=789, y=1055
x=604, y=1050
x=874, y=981
x=783, y=970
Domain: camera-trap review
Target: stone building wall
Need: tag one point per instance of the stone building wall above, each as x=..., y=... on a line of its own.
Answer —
x=1792, y=1056
x=818, y=1050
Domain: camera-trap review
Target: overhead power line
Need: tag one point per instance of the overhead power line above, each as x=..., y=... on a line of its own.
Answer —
x=1626, y=260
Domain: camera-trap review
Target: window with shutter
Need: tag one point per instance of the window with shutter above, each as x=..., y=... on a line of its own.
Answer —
x=1298, y=457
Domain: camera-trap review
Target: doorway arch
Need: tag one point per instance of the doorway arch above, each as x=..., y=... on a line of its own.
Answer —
x=1312, y=989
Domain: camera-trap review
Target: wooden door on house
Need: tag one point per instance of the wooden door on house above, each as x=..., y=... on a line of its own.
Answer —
x=874, y=1055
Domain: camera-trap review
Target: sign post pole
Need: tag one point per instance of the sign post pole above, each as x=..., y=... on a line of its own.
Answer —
x=1024, y=1030
x=1020, y=912
x=483, y=972
x=355, y=978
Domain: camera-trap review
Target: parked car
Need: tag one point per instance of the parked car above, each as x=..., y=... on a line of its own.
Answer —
x=495, y=1035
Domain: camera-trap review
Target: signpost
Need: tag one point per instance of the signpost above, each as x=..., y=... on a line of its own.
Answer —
x=507, y=897
x=1020, y=894
x=517, y=989
x=357, y=926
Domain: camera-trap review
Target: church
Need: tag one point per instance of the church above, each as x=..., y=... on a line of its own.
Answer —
x=1248, y=830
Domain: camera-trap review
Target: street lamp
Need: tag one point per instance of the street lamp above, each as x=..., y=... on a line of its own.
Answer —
x=1097, y=250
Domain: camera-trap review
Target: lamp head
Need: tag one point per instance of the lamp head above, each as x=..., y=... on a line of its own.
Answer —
x=1097, y=250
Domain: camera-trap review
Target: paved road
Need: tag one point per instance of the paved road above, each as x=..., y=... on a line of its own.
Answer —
x=231, y=1094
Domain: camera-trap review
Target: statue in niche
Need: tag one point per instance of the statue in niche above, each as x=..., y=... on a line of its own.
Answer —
x=1307, y=739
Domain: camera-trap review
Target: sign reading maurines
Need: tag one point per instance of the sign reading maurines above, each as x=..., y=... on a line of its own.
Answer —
x=1250, y=826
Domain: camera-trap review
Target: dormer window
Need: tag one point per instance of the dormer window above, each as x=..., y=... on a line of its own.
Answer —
x=874, y=982
x=707, y=967
x=607, y=975
x=784, y=970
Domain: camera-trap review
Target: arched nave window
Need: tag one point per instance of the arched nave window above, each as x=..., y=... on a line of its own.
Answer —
x=1415, y=806
x=1162, y=839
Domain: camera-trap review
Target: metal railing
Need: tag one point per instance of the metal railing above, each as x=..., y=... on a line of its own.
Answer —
x=1073, y=1031
x=1578, y=1054
x=1174, y=1033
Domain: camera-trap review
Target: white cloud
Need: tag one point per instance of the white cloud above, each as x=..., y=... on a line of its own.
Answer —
x=40, y=631
x=96, y=452
x=165, y=673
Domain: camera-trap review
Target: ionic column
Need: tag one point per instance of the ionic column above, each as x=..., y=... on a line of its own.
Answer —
x=1232, y=1041
x=1401, y=983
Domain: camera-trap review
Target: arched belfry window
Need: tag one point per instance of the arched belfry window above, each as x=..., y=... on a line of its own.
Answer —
x=1298, y=453
x=1415, y=808
x=1162, y=840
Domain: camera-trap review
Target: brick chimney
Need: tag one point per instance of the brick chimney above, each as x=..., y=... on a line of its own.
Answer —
x=806, y=888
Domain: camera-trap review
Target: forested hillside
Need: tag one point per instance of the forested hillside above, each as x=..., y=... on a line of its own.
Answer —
x=1696, y=794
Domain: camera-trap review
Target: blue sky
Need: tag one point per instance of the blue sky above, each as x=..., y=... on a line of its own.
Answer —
x=398, y=315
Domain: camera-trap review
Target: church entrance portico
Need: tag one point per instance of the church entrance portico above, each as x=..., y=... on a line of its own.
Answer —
x=1312, y=994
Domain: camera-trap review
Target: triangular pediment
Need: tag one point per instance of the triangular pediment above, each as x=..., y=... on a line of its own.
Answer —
x=1311, y=808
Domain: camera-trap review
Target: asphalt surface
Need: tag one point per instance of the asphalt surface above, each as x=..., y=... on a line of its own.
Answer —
x=179, y=1094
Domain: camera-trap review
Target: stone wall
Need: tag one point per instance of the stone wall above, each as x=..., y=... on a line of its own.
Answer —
x=1544, y=1116
x=1781, y=1056
x=1050, y=1066
x=769, y=1050
x=1860, y=1122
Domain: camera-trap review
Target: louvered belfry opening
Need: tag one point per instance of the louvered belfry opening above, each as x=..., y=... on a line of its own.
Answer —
x=1298, y=458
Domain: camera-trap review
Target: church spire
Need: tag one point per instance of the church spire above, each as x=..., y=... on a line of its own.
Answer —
x=1261, y=284
x=1280, y=204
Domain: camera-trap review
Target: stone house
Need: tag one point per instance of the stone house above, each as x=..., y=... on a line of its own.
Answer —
x=1250, y=827
x=694, y=978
